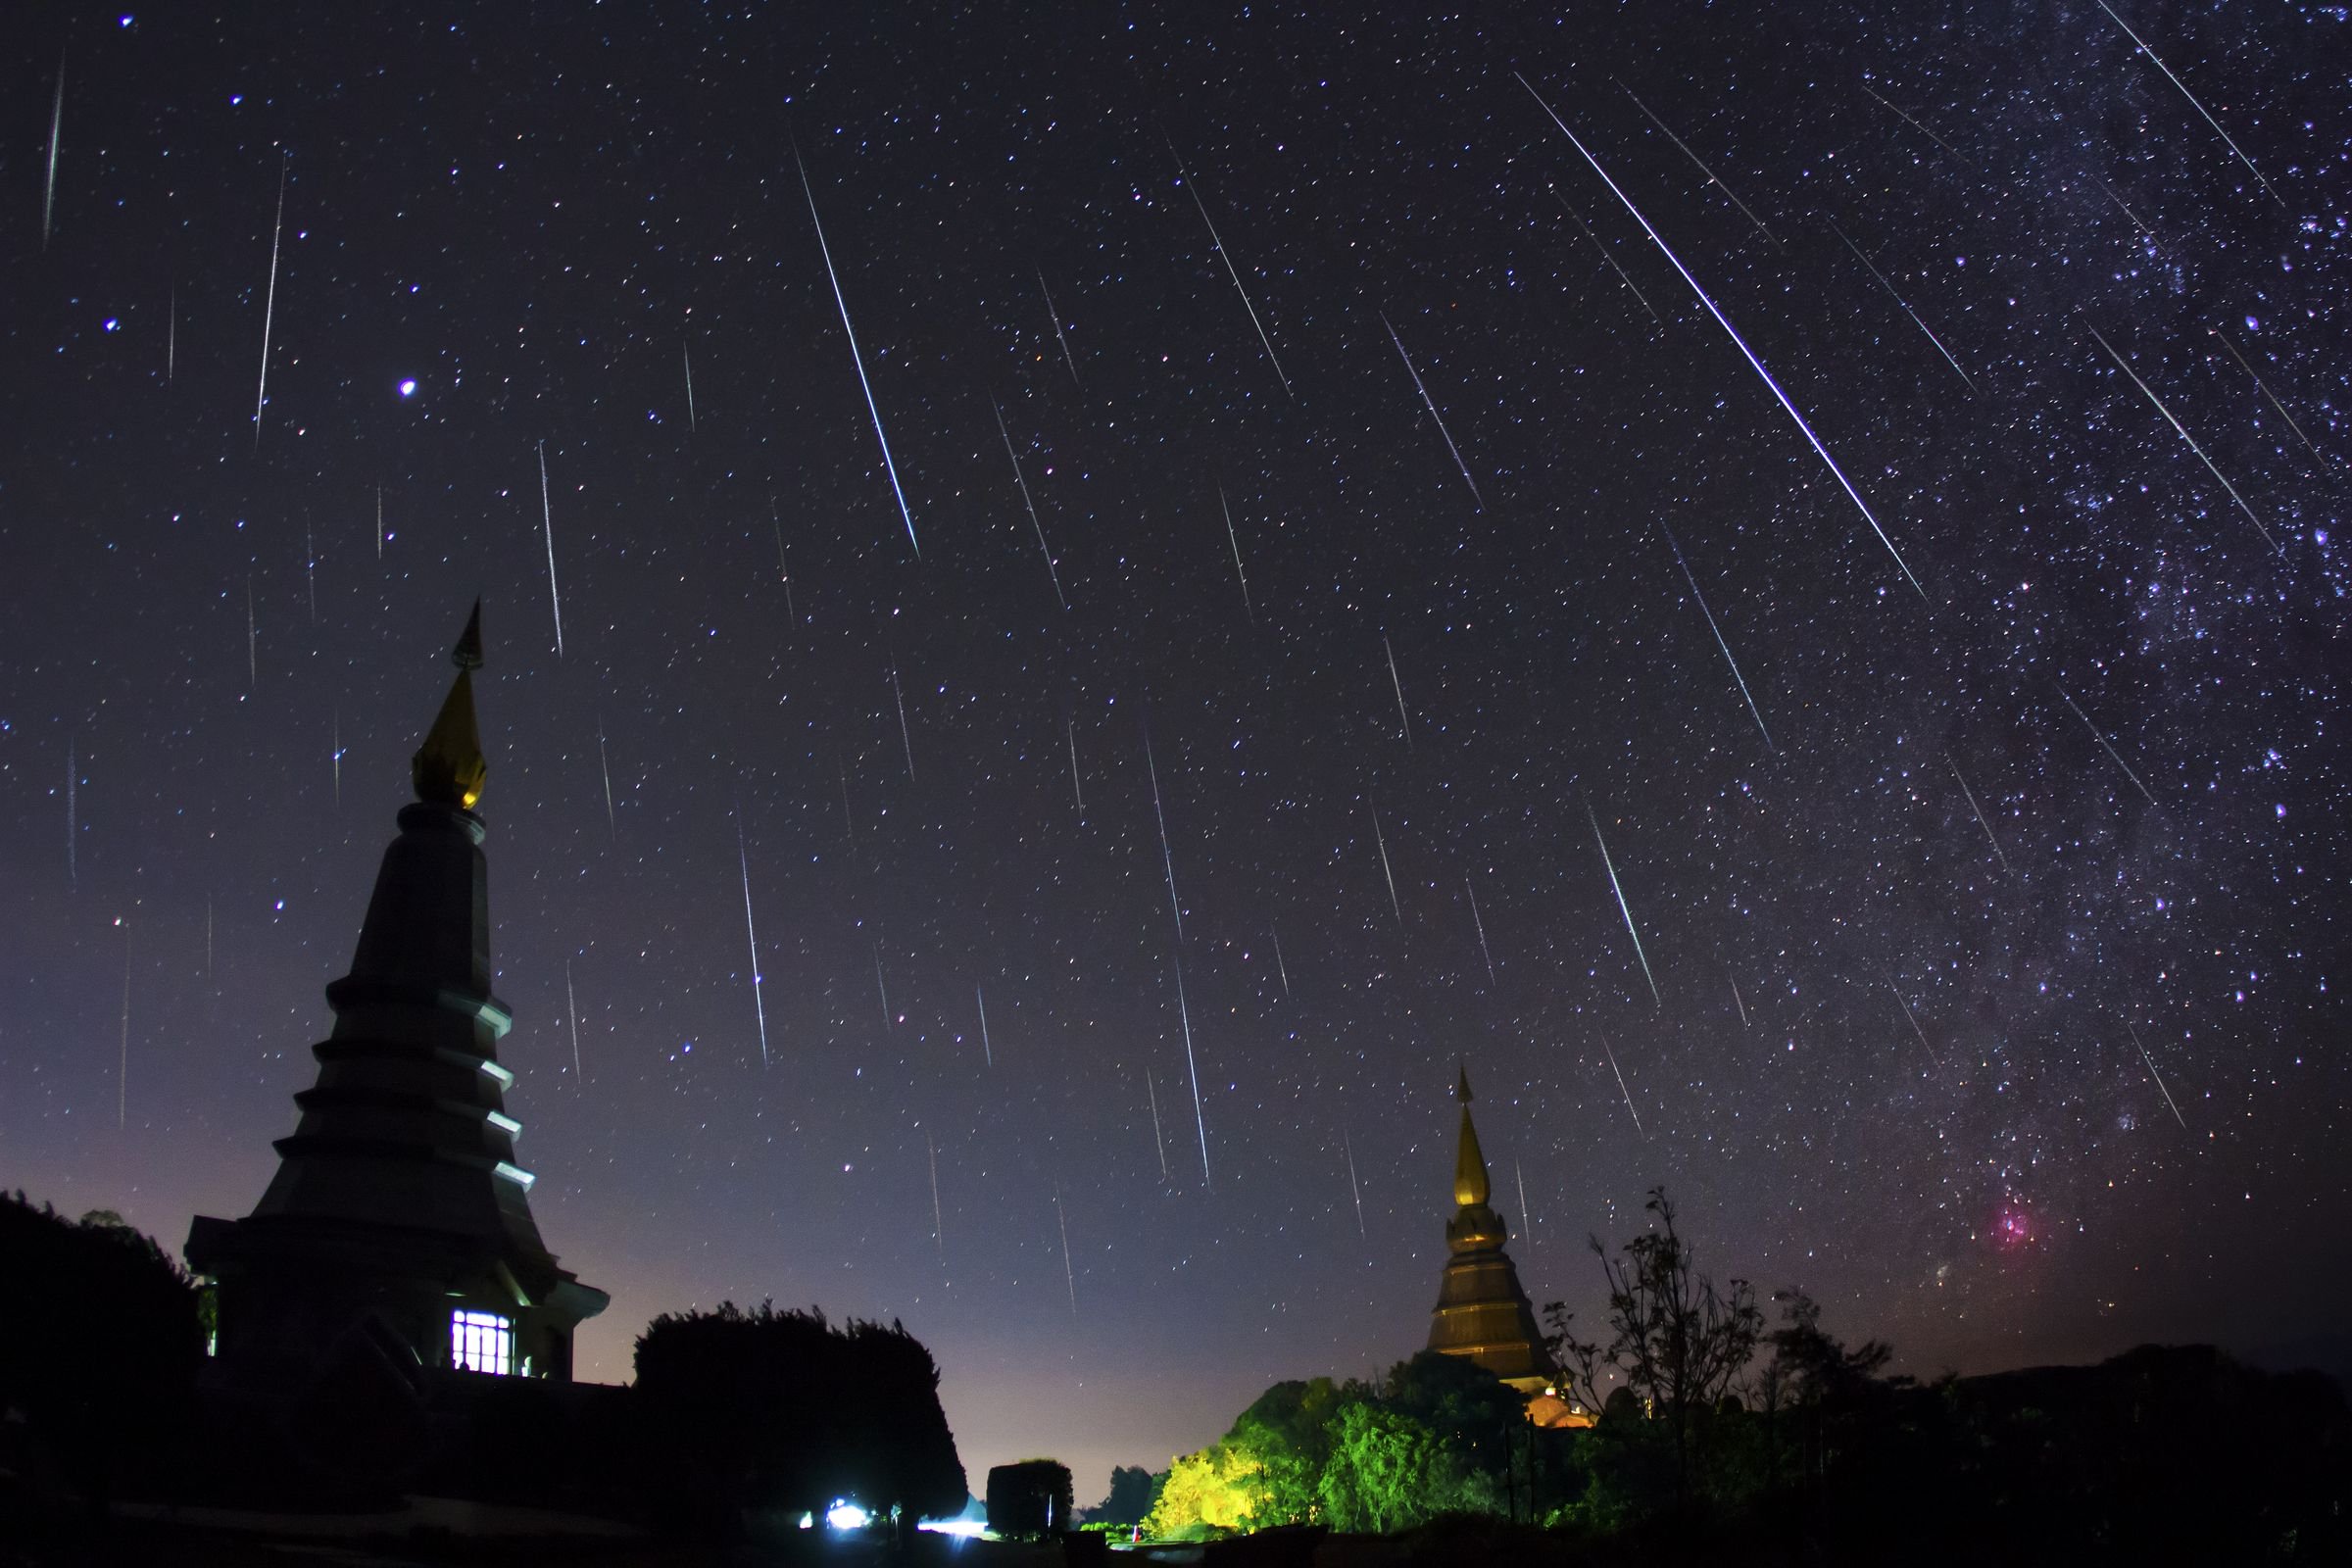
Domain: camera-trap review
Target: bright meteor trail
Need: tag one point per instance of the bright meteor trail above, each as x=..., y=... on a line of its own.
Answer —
x=1627, y=911
x=1435, y=417
x=2192, y=101
x=1733, y=332
x=2182, y=431
x=889, y=466
x=1718, y=631
x=1226, y=256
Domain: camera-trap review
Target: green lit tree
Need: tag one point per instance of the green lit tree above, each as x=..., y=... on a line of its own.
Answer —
x=1388, y=1471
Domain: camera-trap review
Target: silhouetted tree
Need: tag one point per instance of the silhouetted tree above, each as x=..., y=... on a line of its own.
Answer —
x=1815, y=1378
x=1030, y=1498
x=1677, y=1341
x=1133, y=1492
x=769, y=1411
x=100, y=1343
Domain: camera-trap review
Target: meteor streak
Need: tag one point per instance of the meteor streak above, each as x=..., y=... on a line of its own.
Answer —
x=1057, y=336
x=2192, y=101
x=889, y=466
x=1922, y=129
x=1907, y=310
x=2152, y=1075
x=783, y=565
x=1281, y=968
x=1623, y=907
x=604, y=768
x=881, y=985
x=1718, y=631
x=547, y=517
x=1226, y=256
x=1077, y=792
x=905, y=740
x=751, y=937
x=57, y=124
x=1070, y=1274
x=1159, y=1141
x=1234, y=539
x=1520, y=1176
x=939, y=1226
x=1199, y=1121
x=1703, y=169
x=1738, y=1001
x=571, y=1007
x=988, y=1052
x=269, y=303
x=1435, y=417
x=1724, y=321
x=687, y=349
x=1979, y=810
x=1605, y=256
x=2101, y=738
x=1042, y=546
x=1383, y=843
x=1167, y=858
x=1404, y=719
x=1480, y=925
x=2183, y=433
x=1913, y=1017
x=1621, y=1089
x=2267, y=393
x=1353, y=1186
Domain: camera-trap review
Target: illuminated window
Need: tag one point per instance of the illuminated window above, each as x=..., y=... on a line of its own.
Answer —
x=481, y=1341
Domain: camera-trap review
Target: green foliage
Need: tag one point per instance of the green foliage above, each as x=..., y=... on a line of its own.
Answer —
x=1214, y=1491
x=1390, y=1471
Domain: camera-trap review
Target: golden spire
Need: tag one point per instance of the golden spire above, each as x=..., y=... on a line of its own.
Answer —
x=449, y=769
x=1470, y=1162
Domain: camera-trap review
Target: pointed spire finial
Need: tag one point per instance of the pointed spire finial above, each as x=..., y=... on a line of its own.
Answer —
x=1469, y=1161
x=468, y=654
x=449, y=769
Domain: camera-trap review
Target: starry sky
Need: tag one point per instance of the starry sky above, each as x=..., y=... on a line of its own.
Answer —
x=1327, y=596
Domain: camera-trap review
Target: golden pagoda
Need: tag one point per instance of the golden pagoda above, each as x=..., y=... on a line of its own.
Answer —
x=1482, y=1312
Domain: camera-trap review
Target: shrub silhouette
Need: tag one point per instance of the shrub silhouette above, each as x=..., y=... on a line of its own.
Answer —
x=100, y=1343
x=779, y=1411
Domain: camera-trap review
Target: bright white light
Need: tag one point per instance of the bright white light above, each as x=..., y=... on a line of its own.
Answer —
x=967, y=1529
x=408, y=389
x=481, y=1341
x=847, y=1516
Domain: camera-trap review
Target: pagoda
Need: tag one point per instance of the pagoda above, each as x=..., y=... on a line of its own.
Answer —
x=1482, y=1312
x=399, y=1224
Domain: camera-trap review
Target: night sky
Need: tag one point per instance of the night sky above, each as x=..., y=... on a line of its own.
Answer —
x=1906, y=1048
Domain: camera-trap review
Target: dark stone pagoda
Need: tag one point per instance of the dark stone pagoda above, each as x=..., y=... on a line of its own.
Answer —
x=1482, y=1312
x=397, y=1230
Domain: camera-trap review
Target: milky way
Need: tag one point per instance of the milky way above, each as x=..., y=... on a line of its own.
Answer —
x=2113, y=933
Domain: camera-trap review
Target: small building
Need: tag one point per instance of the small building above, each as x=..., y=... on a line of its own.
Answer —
x=398, y=1229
